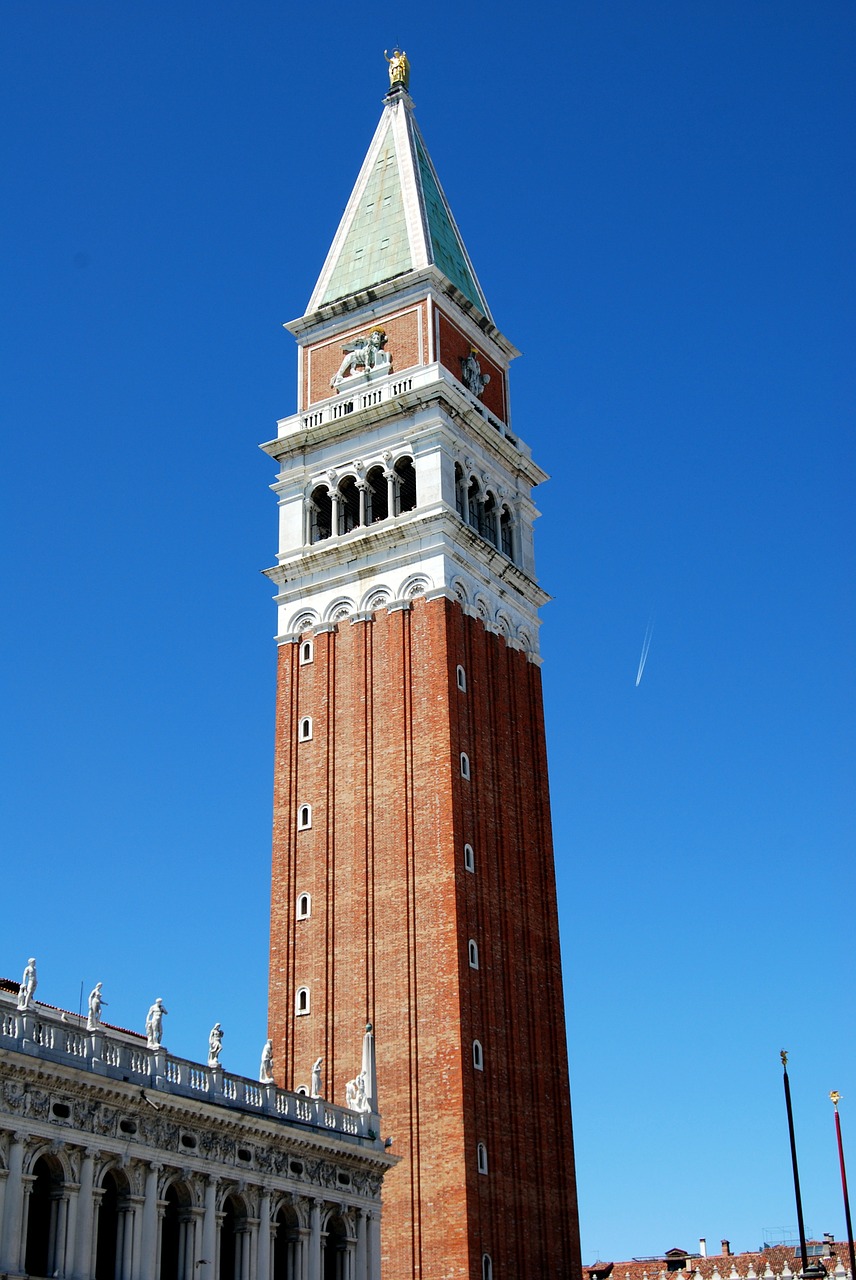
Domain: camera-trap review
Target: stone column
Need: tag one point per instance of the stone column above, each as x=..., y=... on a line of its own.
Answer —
x=11, y=1246
x=135, y=1226
x=362, y=486
x=73, y=1213
x=245, y=1238
x=209, y=1232
x=85, y=1212
x=334, y=513
x=264, y=1236
x=362, y=1252
x=313, y=1270
x=126, y=1259
x=149, y=1260
x=374, y=1246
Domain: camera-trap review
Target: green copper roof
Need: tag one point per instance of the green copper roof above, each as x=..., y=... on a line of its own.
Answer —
x=448, y=250
x=397, y=219
x=376, y=247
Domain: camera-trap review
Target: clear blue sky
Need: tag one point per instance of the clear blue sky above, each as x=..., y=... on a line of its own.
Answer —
x=659, y=201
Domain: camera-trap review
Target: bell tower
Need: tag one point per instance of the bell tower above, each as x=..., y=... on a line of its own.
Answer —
x=413, y=881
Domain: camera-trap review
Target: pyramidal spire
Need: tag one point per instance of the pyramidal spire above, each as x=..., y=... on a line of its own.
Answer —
x=398, y=218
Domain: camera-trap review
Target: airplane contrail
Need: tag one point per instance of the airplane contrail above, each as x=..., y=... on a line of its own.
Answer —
x=646, y=645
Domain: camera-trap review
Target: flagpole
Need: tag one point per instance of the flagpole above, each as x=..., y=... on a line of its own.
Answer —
x=836, y=1096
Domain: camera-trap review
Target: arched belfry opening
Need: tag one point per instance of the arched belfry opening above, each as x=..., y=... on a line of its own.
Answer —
x=176, y=1234
x=406, y=475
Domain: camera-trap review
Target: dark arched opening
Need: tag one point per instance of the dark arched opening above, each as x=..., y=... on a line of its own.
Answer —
x=460, y=492
x=320, y=515
x=406, y=473
x=349, y=505
x=285, y=1245
x=44, y=1194
x=335, y=1249
x=506, y=539
x=233, y=1226
x=378, y=495
x=171, y=1235
x=475, y=507
x=489, y=528
x=108, y=1229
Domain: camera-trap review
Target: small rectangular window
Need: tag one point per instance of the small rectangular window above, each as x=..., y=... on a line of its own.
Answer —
x=305, y=732
x=461, y=678
x=306, y=652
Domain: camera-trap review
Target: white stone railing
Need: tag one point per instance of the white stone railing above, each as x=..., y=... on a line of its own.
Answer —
x=114, y=1056
x=361, y=393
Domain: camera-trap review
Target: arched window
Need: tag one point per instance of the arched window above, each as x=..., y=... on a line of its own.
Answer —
x=349, y=505
x=307, y=652
x=461, y=678
x=469, y=858
x=304, y=906
x=301, y=1002
x=305, y=729
x=489, y=526
x=304, y=817
x=478, y=1056
x=487, y=1267
x=377, y=495
x=473, y=953
x=320, y=514
x=406, y=473
x=481, y=1158
x=465, y=766
x=506, y=539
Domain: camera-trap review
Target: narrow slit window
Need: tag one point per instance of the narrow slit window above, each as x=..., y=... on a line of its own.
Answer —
x=473, y=953
x=465, y=766
x=469, y=858
x=305, y=729
x=478, y=1056
x=487, y=1267
x=304, y=906
x=301, y=1002
x=461, y=679
x=481, y=1158
x=306, y=653
x=304, y=817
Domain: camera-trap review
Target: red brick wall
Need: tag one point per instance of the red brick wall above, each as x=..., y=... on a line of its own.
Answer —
x=322, y=360
x=454, y=346
x=392, y=911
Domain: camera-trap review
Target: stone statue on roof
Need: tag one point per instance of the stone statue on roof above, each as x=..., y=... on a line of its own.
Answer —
x=215, y=1045
x=154, y=1024
x=399, y=68
x=96, y=1003
x=266, y=1068
x=27, y=989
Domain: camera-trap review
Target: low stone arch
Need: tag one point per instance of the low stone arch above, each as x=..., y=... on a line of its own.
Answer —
x=337, y=1233
x=482, y=609
x=504, y=625
x=178, y=1198
x=287, y=1222
x=302, y=621
x=459, y=587
x=377, y=598
x=416, y=585
x=340, y=608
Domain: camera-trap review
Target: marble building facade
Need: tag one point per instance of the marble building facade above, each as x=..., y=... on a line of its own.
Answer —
x=119, y=1161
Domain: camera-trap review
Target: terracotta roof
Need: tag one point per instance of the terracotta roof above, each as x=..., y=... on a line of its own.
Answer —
x=777, y=1257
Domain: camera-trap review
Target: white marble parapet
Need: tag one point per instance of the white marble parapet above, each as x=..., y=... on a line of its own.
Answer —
x=361, y=393
x=45, y=1035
